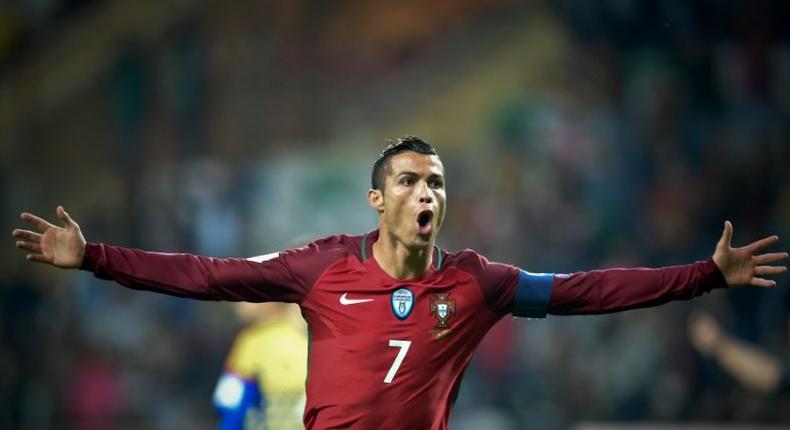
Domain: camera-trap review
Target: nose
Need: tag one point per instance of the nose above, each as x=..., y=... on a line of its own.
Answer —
x=425, y=194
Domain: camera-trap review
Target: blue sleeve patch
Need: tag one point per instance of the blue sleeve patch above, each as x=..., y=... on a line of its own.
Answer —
x=234, y=398
x=533, y=293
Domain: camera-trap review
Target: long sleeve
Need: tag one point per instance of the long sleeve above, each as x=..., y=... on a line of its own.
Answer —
x=613, y=290
x=198, y=277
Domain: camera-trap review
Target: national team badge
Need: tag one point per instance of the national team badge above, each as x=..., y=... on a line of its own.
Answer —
x=402, y=303
x=442, y=308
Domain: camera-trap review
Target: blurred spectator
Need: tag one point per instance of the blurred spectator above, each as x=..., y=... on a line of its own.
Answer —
x=753, y=367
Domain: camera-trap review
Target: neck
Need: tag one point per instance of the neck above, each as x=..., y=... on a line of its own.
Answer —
x=399, y=261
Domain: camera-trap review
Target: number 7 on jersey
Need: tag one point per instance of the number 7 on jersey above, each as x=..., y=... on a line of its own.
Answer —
x=404, y=348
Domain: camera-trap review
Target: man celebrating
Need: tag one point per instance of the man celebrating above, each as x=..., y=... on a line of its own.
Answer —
x=393, y=319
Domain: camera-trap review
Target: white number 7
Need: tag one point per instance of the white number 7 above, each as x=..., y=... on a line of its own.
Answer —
x=404, y=348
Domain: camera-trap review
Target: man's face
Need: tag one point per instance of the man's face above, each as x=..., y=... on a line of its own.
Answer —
x=413, y=201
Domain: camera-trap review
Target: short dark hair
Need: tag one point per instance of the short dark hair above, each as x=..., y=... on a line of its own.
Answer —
x=382, y=165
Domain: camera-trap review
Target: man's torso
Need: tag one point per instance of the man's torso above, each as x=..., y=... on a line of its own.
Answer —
x=386, y=353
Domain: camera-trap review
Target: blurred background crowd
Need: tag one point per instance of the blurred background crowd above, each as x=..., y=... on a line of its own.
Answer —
x=576, y=135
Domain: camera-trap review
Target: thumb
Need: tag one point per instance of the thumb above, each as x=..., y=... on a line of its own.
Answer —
x=726, y=235
x=64, y=216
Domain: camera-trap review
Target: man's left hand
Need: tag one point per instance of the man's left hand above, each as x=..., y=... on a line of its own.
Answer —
x=744, y=266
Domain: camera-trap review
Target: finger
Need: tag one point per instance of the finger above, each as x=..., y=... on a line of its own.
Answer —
x=36, y=221
x=760, y=282
x=26, y=235
x=38, y=258
x=726, y=235
x=771, y=257
x=65, y=217
x=28, y=246
x=762, y=243
x=770, y=270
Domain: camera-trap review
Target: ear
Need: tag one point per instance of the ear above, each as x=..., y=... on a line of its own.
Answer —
x=376, y=199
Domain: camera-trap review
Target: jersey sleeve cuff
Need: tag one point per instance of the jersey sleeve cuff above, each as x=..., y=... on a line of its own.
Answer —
x=90, y=261
x=712, y=276
x=533, y=293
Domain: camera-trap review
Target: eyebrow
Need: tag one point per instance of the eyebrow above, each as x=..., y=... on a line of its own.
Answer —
x=411, y=173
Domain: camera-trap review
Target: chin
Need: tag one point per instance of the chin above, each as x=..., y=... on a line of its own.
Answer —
x=423, y=241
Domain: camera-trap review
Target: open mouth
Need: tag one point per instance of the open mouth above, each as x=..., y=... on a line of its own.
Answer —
x=424, y=218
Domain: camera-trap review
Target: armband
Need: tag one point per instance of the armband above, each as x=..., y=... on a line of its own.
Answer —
x=533, y=294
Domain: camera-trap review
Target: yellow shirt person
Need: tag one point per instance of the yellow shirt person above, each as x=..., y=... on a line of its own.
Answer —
x=263, y=383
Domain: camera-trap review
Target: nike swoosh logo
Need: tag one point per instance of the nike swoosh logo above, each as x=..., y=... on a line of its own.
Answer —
x=347, y=301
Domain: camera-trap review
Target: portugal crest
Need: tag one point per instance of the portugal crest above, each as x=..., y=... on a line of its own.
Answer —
x=442, y=308
x=402, y=303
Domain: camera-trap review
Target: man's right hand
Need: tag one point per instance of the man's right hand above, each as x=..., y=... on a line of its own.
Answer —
x=62, y=247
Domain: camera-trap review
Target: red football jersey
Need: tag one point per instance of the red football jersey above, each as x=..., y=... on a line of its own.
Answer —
x=388, y=353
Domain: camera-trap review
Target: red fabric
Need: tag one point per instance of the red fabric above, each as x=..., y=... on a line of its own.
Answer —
x=350, y=350
x=613, y=290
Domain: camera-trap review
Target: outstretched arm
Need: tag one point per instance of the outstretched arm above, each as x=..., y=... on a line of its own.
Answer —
x=182, y=275
x=612, y=290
